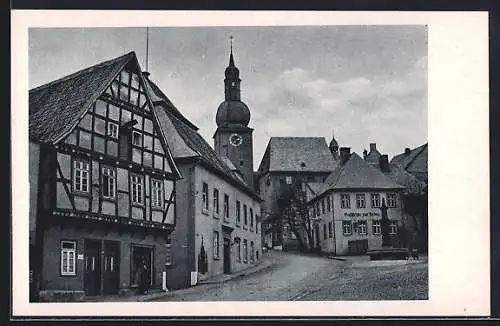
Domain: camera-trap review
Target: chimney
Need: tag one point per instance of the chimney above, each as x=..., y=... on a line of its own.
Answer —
x=365, y=154
x=407, y=151
x=373, y=147
x=383, y=161
x=345, y=152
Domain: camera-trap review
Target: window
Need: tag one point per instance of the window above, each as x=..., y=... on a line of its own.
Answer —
x=136, y=182
x=282, y=181
x=216, y=244
x=216, y=201
x=238, y=249
x=345, y=201
x=391, y=200
x=204, y=196
x=330, y=229
x=136, y=138
x=362, y=227
x=245, y=251
x=245, y=214
x=376, y=227
x=112, y=130
x=347, y=227
x=317, y=209
x=238, y=212
x=252, y=252
x=156, y=193
x=324, y=232
x=108, y=182
x=251, y=217
x=360, y=201
x=375, y=200
x=226, y=206
x=293, y=236
x=393, y=227
x=68, y=259
x=81, y=176
x=323, y=206
x=328, y=204
x=288, y=180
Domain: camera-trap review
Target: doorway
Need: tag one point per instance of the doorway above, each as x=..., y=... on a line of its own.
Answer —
x=142, y=254
x=227, y=256
x=111, y=264
x=92, y=261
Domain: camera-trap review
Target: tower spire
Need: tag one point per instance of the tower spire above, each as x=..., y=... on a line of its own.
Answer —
x=231, y=59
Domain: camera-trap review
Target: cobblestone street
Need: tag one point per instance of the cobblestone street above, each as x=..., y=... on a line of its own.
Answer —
x=306, y=277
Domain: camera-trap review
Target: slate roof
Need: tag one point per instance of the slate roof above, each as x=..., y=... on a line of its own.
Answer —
x=55, y=108
x=415, y=162
x=186, y=133
x=373, y=156
x=356, y=173
x=413, y=185
x=287, y=154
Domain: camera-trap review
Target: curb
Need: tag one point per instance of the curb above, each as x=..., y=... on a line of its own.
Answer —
x=243, y=273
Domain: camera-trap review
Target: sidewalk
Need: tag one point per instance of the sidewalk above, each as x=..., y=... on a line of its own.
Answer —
x=156, y=294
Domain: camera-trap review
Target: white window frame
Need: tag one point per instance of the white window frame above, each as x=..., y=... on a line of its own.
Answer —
x=288, y=180
x=216, y=245
x=68, y=255
x=362, y=227
x=112, y=130
x=137, y=187
x=377, y=227
x=238, y=251
x=157, y=197
x=252, y=252
x=345, y=201
x=375, y=200
x=226, y=206
x=245, y=214
x=393, y=227
x=245, y=251
x=251, y=218
x=347, y=225
x=81, y=171
x=391, y=200
x=139, y=137
x=238, y=212
x=108, y=174
x=204, y=196
x=216, y=201
x=360, y=201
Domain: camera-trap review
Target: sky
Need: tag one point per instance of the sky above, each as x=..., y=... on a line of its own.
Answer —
x=364, y=84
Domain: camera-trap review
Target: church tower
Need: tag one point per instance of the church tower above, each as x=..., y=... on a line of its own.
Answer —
x=233, y=137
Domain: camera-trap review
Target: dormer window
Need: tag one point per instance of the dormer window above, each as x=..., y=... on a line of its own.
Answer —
x=112, y=130
x=233, y=84
x=136, y=138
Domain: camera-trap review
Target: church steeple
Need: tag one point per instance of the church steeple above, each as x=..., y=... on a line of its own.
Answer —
x=232, y=81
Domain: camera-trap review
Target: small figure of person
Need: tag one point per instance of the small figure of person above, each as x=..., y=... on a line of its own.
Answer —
x=143, y=278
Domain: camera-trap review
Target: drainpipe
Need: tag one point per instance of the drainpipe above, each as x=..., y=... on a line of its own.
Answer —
x=333, y=225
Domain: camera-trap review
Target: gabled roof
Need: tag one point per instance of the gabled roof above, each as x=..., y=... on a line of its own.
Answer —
x=287, y=153
x=414, y=162
x=405, y=160
x=55, y=108
x=413, y=185
x=187, y=142
x=373, y=156
x=356, y=173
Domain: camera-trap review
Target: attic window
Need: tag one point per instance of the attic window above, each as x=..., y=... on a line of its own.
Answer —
x=136, y=138
x=112, y=130
x=242, y=163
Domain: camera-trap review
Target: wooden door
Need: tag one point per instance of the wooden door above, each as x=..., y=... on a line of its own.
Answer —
x=92, y=260
x=227, y=256
x=111, y=264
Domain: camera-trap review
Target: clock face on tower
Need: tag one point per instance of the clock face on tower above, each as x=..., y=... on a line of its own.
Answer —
x=235, y=140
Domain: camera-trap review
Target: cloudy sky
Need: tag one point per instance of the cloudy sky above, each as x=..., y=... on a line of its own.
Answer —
x=368, y=84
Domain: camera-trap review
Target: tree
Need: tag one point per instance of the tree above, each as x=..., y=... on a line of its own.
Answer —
x=294, y=214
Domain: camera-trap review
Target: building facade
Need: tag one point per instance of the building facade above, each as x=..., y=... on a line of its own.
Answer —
x=102, y=181
x=218, y=211
x=287, y=162
x=347, y=208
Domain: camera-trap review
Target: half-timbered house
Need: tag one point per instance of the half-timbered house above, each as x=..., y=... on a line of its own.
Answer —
x=102, y=183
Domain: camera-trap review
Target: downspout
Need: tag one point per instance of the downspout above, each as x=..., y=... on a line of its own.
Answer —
x=192, y=217
x=333, y=222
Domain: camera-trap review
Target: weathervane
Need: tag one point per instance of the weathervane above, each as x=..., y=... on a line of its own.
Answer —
x=231, y=42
